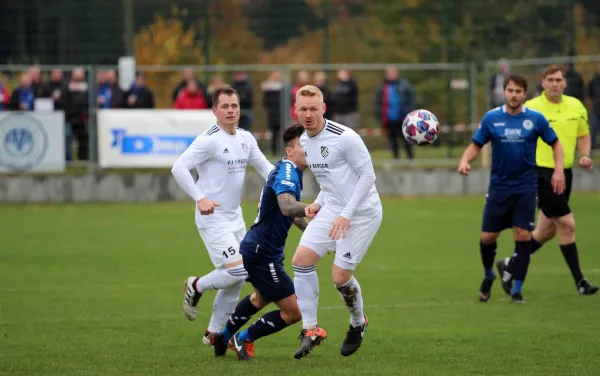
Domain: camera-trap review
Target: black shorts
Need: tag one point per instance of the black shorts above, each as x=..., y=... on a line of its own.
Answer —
x=507, y=209
x=551, y=204
x=268, y=277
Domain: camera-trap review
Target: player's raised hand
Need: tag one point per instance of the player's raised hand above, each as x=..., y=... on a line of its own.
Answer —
x=464, y=168
x=586, y=162
x=339, y=228
x=206, y=206
x=312, y=210
x=558, y=181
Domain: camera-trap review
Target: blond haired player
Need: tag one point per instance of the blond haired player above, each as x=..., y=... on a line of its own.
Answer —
x=346, y=216
x=220, y=156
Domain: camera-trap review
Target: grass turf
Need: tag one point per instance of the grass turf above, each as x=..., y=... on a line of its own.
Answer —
x=97, y=290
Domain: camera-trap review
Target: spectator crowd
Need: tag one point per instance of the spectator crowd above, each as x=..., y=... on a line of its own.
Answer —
x=393, y=99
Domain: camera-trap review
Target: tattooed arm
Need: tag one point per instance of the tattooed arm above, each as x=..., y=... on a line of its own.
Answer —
x=289, y=206
x=301, y=223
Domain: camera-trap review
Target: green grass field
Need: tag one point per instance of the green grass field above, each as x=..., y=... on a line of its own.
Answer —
x=97, y=290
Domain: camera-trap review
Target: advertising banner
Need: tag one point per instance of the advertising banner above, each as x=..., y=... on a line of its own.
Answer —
x=148, y=138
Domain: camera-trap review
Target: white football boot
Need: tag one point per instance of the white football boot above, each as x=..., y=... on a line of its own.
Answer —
x=191, y=296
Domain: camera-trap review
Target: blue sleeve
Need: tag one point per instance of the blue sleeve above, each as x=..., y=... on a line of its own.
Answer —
x=545, y=131
x=482, y=136
x=286, y=180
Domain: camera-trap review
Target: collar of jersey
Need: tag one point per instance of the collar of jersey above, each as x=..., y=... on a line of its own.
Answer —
x=227, y=133
x=324, y=126
x=287, y=160
x=546, y=102
x=522, y=112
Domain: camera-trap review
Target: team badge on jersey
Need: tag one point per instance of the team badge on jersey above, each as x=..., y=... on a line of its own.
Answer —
x=324, y=151
x=528, y=124
x=244, y=147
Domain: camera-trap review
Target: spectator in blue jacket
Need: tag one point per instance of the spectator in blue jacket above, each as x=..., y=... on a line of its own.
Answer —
x=22, y=97
x=395, y=99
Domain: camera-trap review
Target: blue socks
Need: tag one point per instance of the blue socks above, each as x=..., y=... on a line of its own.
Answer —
x=517, y=287
x=520, y=264
x=268, y=324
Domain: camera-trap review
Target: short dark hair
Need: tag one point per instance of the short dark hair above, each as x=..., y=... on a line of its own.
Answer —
x=292, y=133
x=517, y=79
x=551, y=69
x=229, y=91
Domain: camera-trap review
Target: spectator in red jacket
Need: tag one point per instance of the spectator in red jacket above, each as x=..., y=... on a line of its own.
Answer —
x=191, y=98
x=4, y=97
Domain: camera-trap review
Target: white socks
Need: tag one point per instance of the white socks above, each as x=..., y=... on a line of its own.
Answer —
x=229, y=282
x=352, y=297
x=223, y=305
x=306, y=284
x=220, y=279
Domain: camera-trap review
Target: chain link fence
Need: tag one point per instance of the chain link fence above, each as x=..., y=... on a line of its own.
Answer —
x=458, y=94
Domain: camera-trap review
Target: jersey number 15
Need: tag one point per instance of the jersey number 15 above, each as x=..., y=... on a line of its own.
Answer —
x=229, y=252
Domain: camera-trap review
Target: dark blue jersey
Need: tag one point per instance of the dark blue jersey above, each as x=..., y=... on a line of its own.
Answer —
x=514, y=141
x=266, y=238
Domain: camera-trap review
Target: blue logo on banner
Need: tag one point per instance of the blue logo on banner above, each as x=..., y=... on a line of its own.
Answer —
x=23, y=142
x=149, y=144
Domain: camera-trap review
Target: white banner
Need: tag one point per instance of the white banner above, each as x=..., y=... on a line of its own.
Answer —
x=148, y=138
x=32, y=142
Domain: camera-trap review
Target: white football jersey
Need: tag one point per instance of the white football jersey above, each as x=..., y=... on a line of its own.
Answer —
x=332, y=156
x=220, y=160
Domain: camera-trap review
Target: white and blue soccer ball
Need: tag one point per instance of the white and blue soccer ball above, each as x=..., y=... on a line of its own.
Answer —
x=420, y=127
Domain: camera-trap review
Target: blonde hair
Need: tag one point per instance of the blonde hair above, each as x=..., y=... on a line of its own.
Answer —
x=309, y=91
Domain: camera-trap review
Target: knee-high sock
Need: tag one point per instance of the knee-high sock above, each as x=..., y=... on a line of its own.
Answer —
x=352, y=296
x=306, y=284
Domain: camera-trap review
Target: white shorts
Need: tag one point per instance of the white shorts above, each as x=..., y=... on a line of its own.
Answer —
x=350, y=251
x=223, y=244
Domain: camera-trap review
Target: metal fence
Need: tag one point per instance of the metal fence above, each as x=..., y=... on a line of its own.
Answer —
x=585, y=65
x=457, y=93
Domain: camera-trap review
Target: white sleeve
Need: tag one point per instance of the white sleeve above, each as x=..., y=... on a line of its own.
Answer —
x=258, y=160
x=198, y=152
x=357, y=155
x=320, y=198
x=355, y=150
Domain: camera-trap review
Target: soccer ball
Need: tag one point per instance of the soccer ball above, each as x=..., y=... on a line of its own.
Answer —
x=420, y=127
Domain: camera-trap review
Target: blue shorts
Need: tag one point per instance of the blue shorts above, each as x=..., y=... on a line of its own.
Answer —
x=507, y=209
x=268, y=277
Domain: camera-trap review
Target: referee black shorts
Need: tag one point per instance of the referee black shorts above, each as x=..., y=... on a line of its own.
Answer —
x=550, y=203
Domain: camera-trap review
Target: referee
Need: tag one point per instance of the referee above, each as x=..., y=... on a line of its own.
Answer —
x=568, y=118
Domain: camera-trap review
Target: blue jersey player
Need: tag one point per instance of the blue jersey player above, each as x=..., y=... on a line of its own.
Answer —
x=262, y=252
x=513, y=131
